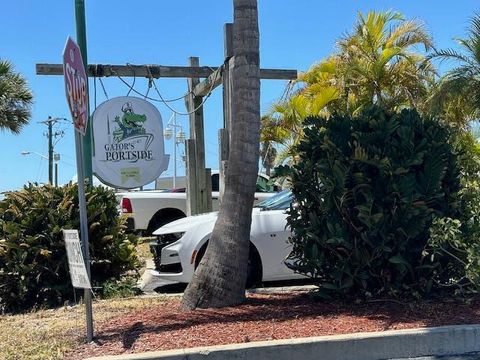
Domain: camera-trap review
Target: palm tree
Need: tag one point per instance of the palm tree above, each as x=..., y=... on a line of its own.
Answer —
x=15, y=99
x=221, y=276
x=376, y=64
x=283, y=124
x=457, y=96
x=268, y=156
x=380, y=64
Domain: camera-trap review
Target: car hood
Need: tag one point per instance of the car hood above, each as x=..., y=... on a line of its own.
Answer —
x=189, y=222
x=184, y=224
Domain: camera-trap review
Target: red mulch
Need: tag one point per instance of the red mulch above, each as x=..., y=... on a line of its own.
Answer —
x=265, y=317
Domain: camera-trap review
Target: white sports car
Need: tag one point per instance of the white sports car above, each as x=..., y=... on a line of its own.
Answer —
x=182, y=243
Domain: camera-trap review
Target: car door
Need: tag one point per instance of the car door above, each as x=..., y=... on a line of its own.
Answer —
x=270, y=236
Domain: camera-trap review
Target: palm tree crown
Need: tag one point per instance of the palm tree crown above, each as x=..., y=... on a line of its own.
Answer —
x=15, y=99
x=378, y=63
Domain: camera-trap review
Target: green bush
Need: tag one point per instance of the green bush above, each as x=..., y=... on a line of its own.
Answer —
x=367, y=190
x=33, y=263
x=120, y=288
x=459, y=238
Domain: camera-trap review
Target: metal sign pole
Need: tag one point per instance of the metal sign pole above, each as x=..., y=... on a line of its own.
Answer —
x=84, y=231
x=76, y=90
x=82, y=43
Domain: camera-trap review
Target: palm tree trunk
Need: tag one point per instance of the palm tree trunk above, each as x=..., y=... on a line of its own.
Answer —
x=220, y=279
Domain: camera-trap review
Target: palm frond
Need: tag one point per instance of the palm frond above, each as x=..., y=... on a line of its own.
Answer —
x=15, y=99
x=409, y=33
x=450, y=54
x=323, y=98
x=463, y=72
x=474, y=30
x=5, y=67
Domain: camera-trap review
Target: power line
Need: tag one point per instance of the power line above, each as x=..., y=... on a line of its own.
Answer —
x=162, y=99
x=147, y=97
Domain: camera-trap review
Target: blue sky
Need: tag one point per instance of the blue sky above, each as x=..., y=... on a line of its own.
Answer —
x=293, y=35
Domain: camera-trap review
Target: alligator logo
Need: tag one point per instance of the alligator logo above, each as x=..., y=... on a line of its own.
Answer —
x=130, y=124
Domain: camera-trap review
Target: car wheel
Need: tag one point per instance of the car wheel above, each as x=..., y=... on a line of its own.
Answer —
x=254, y=269
x=161, y=219
x=254, y=266
x=157, y=256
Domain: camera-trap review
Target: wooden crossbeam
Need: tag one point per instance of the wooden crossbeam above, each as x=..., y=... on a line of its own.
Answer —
x=158, y=71
x=278, y=74
x=210, y=83
x=147, y=71
x=215, y=79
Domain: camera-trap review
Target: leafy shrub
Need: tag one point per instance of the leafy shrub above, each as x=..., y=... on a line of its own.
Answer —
x=33, y=262
x=367, y=191
x=120, y=288
x=459, y=238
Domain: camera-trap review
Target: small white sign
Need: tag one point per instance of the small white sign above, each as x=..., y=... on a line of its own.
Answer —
x=78, y=271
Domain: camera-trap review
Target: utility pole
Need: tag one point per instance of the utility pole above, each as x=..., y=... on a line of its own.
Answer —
x=50, y=150
x=56, y=158
x=50, y=135
x=178, y=138
x=56, y=174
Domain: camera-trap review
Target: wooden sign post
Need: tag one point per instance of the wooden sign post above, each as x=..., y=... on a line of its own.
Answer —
x=198, y=180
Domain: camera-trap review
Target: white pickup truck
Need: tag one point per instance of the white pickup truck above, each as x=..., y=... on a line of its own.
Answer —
x=148, y=210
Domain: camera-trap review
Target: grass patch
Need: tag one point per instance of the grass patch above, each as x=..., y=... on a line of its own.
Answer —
x=48, y=334
x=143, y=248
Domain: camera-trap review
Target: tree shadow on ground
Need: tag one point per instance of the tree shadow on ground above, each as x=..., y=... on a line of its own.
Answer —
x=171, y=288
x=131, y=334
x=280, y=309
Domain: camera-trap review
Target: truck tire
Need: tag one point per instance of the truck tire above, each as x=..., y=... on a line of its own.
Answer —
x=254, y=267
x=163, y=217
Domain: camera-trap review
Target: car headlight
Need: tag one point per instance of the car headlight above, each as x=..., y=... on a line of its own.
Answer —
x=166, y=239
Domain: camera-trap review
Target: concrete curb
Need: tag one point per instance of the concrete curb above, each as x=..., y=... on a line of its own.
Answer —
x=444, y=340
x=281, y=289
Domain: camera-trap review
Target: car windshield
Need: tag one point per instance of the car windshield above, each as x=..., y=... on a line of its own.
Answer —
x=280, y=201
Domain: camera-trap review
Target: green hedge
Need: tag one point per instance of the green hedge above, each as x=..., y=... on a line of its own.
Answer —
x=33, y=263
x=368, y=190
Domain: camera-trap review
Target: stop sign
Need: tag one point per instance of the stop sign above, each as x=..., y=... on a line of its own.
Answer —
x=76, y=82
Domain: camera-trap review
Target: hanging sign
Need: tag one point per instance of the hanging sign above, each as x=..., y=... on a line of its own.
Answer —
x=76, y=85
x=76, y=264
x=128, y=143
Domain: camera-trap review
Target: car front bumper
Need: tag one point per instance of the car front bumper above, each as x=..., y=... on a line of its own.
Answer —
x=167, y=261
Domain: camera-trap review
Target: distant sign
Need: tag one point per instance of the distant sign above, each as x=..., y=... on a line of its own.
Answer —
x=128, y=142
x=76, y=85
x=76, y=264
